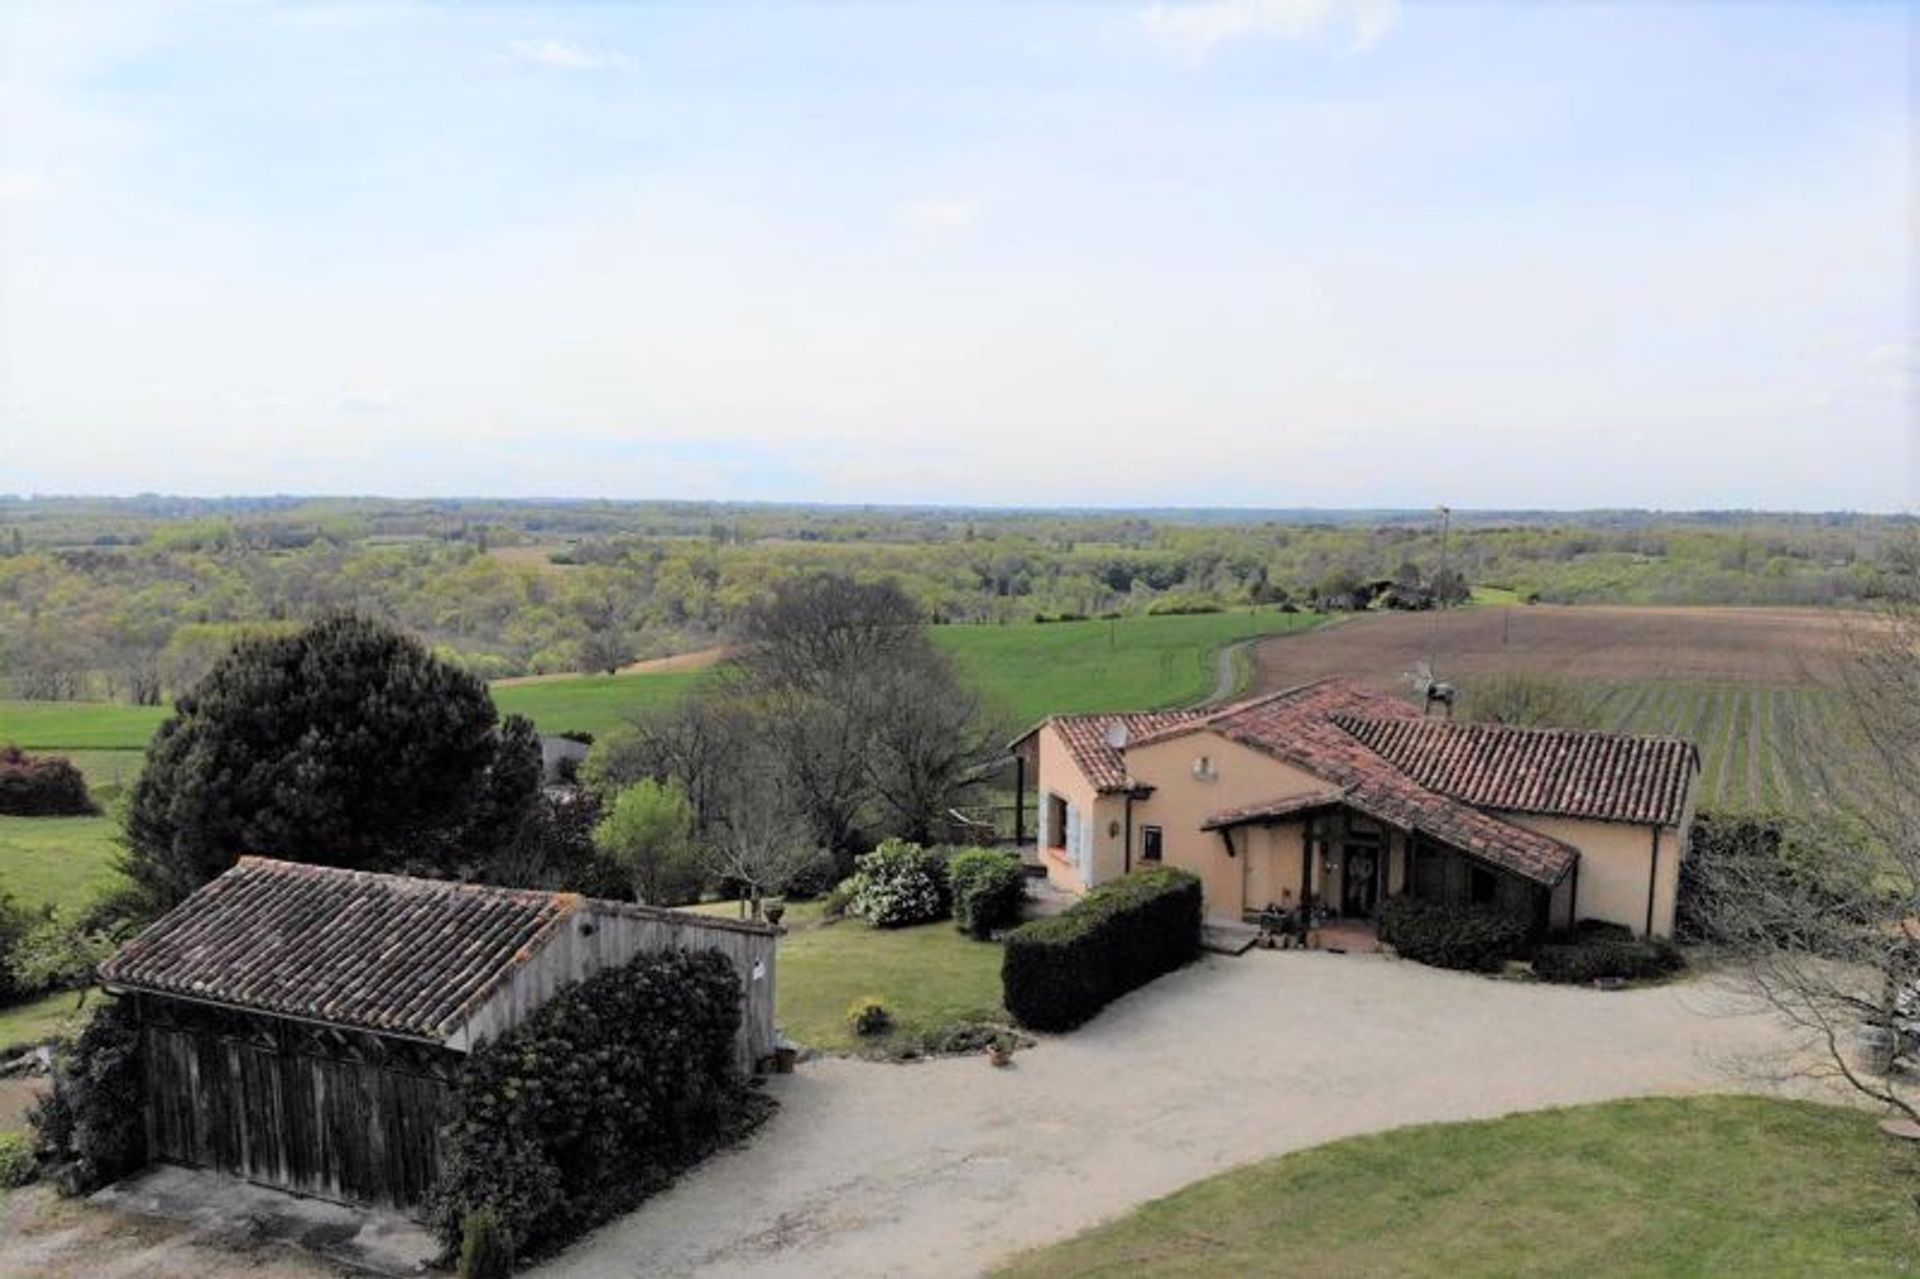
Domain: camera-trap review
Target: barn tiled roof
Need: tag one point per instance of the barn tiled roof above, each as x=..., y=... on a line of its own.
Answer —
x=1555, y=771
x=375, y=952
x=1089, y=740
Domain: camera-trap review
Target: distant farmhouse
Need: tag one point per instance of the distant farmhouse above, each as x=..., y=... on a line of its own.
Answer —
x=1333, y=794
x=301, y=1026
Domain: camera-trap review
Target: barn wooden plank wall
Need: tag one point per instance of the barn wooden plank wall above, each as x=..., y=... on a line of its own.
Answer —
x=608, y=934
x=340, y=1116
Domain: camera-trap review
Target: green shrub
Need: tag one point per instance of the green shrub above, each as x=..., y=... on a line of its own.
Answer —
x=899, y=883
x=987, y=888
x=835, y=904
x=485, y=1250
x=16, y=926
x=598, y=1100
x=867, y=1016
x=41, y=786
x=1475, y=938
x=815, y=877
x=16, y=1160
x=1059, y=972
x=89, y=1129
x=1629, y=959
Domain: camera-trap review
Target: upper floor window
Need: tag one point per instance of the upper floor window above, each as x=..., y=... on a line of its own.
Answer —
x=1150, y=843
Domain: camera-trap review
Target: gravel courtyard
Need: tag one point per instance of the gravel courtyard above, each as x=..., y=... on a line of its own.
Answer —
x=946, y=1167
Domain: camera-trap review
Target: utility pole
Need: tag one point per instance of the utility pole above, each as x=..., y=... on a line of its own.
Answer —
x=1446, y=517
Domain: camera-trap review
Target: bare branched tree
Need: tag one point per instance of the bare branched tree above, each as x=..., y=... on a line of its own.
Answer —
x=1822, y=907
x=755, y=839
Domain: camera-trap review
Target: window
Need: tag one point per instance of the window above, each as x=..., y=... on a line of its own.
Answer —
x=1150, y=843
x=1056, y=823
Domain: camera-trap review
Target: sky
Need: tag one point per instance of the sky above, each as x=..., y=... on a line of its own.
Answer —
x=1252, y=253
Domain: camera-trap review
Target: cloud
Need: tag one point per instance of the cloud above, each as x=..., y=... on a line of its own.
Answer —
x=24, y=186
x=942, y=213
x=1900, y=355
x=564, y=56
x=1196, y=29
x=369, y=402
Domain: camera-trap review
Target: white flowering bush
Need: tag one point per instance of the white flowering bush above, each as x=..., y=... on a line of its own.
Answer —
x=897, y=884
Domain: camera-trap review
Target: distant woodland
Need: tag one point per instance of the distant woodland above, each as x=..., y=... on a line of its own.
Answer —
x=131, y=599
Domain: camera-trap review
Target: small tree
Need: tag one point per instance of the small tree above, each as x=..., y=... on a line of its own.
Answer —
x=757, y=839
x=648, y=832
x=1530, y=702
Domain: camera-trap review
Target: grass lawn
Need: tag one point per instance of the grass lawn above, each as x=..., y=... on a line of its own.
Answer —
x=63, y=726
x=929, y=978
x=1662, y=1186
x=1030, y=671
x=43, y=1018
x=67, y=861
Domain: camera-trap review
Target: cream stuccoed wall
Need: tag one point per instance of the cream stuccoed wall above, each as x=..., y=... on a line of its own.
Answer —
x=1061, y=776
x=1616, y=860
x=1180, y=802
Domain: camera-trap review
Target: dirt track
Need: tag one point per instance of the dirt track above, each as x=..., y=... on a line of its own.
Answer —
x=1762, y=645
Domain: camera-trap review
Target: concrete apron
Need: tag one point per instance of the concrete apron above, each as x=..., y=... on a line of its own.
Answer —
x=238, y=1213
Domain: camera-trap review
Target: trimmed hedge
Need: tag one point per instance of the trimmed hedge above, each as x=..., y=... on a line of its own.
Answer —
x=1057, y=973
x=1602, y=955
x=597, y=1101
x=41, y=786
x=988, y=887
x=1473, y=938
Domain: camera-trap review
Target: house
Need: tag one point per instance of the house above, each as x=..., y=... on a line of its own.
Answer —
x=560, y=758
x=1332, y=792
x=301, y=1026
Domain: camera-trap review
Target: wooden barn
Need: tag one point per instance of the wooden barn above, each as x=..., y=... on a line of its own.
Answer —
x=302, y=1026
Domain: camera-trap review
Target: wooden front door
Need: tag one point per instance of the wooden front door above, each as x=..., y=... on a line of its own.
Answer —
x=1360, y=880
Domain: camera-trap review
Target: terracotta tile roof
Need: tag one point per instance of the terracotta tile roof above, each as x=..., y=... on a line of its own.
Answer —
x=376, y=952
x=1275, y=809
x=1299, y=726
x=1089, y=740
x=1555, y=771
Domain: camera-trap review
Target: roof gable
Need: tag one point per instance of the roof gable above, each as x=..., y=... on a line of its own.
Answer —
x=1089, y=739
x=385, y=953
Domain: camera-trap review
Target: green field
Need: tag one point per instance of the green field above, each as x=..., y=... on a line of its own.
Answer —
x=1656, y=1187
x=64, y=862
x=929, y=978
x=1756, y=741
x=1131, y=663
x=591, y=703
x=1025, y=671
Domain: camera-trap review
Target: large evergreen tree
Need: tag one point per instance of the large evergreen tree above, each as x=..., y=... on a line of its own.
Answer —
x=345, y=744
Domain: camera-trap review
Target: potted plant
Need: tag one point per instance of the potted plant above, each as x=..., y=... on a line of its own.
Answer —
x=1000, y=1051
x=775, y=912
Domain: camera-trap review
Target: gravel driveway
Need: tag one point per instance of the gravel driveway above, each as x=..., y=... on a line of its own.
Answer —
x=946, y=1167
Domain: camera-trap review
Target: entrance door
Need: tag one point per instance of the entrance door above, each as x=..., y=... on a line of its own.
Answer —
x=1360, y=882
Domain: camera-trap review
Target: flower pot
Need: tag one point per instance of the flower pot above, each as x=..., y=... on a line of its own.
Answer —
x=775, y=913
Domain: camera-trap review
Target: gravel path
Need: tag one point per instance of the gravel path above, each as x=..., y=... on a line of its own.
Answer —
x=946, y=1167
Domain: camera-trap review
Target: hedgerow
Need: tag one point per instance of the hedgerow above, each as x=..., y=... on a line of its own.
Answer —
x=1475, y=938
x=597, y=1101
x=1057, y=973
